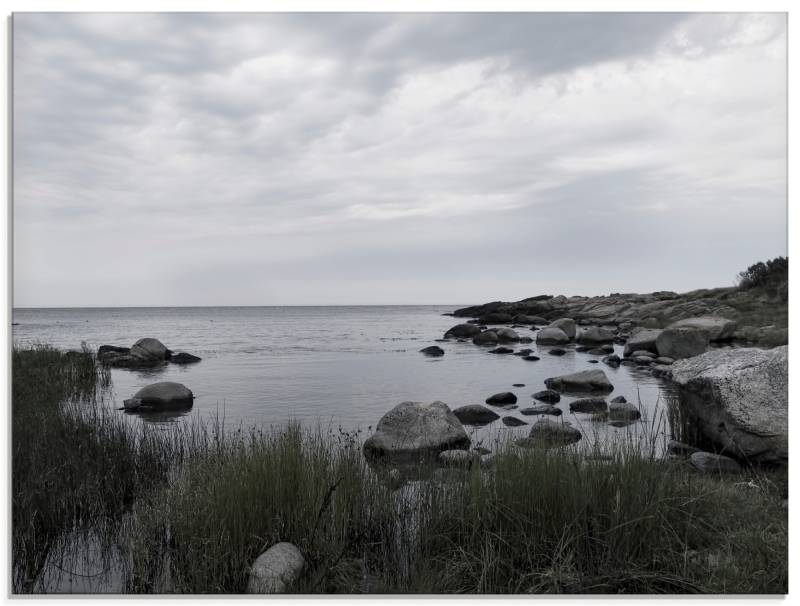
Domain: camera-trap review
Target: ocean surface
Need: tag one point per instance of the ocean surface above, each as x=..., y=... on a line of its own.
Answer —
x=335, y=366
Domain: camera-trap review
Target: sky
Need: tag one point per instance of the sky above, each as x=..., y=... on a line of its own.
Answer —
x=320, y=159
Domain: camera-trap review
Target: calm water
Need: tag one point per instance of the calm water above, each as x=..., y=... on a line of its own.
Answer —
x=342, y=366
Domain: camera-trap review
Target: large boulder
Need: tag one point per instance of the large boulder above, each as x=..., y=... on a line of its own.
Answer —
x=718, y=329
x=738, y=398
x=475, y=414
x=275, y=570
x=581, y=382
x=642, y=339
x=150, y=349
x=595, y=335
x=551, y=336
x=678, y=343
x=413, y=430
x=161, y=396
x=565, y=324
x=463, y=331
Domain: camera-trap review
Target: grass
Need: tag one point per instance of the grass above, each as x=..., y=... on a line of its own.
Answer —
x=203, y=502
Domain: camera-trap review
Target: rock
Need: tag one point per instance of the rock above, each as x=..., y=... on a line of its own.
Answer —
x=738, y=399
x=497, y=317
x=623, y=411
x=475, y=414
x=433, y=350
x=592, y=361
x=531, y=358
x=664, y=361
x=650, y=322
x=525, y=340
x=681, y=342
x=718, y=329
x=551, y=336
x=641, y=339
x=680, y=449
x=184, y=358
x=103, y=349
x=523, y=352
x=525, y=319
x=276, y=570
x=661, y=370
x=413, y=430
x=596, y=351
x=542, y=409
x=595, y=335
x=458, y=458
x=567, y=326
x=557, y=351
x=513, y=422
x=547, y=395
x=519, y=385
x=506, y=335
x=501, y=350
x=499, y=399
x=161, y=396
x=642, y=360
x=487, y=337
x=706, y=462
x=642, y=352
x=583, y=381
x=612, y=360
x=589, y=405
x=464, y=331
x=548, y=434
x=619, y=400
x=150, y=349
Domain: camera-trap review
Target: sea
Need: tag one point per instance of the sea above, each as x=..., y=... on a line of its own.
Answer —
x=339, y=367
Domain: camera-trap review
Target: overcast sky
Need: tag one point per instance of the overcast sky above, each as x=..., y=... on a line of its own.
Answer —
x=269, y=159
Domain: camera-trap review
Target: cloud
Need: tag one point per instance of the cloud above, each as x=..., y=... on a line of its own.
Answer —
x=297, y=158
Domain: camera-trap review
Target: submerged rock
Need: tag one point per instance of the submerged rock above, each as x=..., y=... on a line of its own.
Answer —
x=547, y=395
x=413, y=430
x=623, y=411
x=275, y=570
x=161, y=396
x=531, y=358
x=557, y=351
x=589, y=405
x=184, y=358
x=548, y=434
x=513, y=422
x=738, y=399
x=475, y=414
x=584, y=381
x=542, y=409
x=501, y=350
x=433, y=350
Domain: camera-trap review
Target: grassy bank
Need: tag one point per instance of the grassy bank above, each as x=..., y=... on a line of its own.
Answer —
x=537, y=522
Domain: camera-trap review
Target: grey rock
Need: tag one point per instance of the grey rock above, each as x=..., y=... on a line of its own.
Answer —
x=738, y=398
x=612, y=360
x=642, y=352
x=525, y=340
x=104, y=349
x=433, y=350
x=523, y=352
x=680, y=449
x=501, y=350
x=513, y=422
x=464, y=331
x=184, y=358
x=165, y=395
x=580, y=382
x=567, y=326
x=595, y=335
x=475, y=414
x=416, y=430
x=618, y=400
x=557, y=351
x=548, y=434
x=623, y=411
x=507, y=335
x=588, y=405
x=642, y=340
x=531, y=358
x=664, y=361
x=497, y=317
x=150, y=349
x=548, y=395
x=499, y=399
x=643, y=360
x=542, y=409
x=276, y=570
x=706, y=462
x=487, y=337
x=679, y=343
x=718, y=329
x=551, y=336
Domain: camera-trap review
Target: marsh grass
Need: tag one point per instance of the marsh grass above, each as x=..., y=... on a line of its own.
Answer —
x=201, y=501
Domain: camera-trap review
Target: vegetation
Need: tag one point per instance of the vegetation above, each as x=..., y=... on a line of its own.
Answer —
x=205, y=502
x=772, y=277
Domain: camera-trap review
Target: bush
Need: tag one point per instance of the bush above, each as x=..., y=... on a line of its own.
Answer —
x=772, y=276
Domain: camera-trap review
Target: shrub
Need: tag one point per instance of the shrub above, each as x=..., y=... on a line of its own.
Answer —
x=772, y=276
